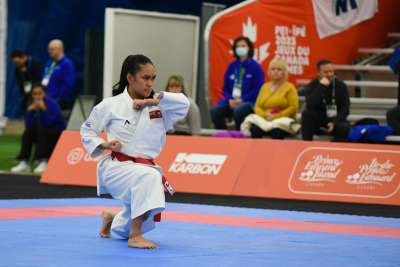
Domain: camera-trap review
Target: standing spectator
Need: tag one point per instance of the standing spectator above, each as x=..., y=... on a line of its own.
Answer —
x=28, y=71
x=242, y=82
x=59, y=75
x=322, y=94
x=276, y=105
x=43, y=126
x=190, y=125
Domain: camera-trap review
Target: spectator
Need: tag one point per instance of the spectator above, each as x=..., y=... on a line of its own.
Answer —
x=28, y=71
x=242, y=82
x=59, y=75
x=43, y=126
x=393, y=119
x=190, y=125
x=277, y=100
x=322, y=95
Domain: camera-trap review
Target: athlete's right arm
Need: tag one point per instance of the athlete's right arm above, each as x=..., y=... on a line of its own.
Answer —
x=92, y=128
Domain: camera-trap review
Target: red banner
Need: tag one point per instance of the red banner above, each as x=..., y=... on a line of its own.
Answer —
x=287, y=29
x=286, y=169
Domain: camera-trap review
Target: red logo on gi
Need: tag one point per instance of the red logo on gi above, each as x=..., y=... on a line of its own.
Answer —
x=155, y=114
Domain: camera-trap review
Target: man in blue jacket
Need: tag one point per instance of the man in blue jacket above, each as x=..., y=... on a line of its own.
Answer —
x=59, y=75
x=242, y=82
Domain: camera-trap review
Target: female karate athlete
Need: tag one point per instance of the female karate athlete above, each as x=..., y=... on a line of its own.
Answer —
x=136, y=121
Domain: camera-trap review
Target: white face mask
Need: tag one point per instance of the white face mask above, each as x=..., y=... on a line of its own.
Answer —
x=242, y=51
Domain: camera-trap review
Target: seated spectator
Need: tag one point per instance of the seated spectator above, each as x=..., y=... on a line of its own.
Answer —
x=242, y=82
x=393, y=119
x=276, y=105
x=28, y=71
x=191, y=124
x=43, y=126
x=324, y=94
x=59, y=76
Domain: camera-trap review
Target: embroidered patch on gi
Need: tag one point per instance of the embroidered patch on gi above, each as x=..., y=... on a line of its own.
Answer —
x=155, y=114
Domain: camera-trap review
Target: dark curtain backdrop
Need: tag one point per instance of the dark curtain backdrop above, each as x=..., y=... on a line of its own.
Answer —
x=32, y=24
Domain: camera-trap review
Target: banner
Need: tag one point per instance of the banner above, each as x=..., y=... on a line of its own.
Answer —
x=3, y=54
x=335, y=16
x=287, y=169
x=287, y=29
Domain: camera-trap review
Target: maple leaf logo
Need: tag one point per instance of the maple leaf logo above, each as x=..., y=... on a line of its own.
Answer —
x=250, y=30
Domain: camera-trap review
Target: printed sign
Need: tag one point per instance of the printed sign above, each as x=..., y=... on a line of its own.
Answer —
x=333, y=16
x=337, y=172
x=286, y=169
x=292, y=30
x=198, y=163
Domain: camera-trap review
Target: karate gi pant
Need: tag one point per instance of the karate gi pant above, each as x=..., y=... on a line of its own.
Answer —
x=139, y=188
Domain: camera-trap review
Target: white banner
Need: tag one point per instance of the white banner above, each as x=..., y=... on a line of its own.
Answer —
x=333, y=16
x=3, y=56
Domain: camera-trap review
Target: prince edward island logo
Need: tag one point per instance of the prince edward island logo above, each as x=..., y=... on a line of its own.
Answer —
x=321, y=169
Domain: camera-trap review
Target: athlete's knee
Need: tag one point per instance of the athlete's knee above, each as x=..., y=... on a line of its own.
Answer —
x=153, y=176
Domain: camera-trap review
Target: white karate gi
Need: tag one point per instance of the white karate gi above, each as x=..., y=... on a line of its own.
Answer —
x=137, y=185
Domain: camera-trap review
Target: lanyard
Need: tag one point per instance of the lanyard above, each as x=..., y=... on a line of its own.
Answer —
x=50, y=70
x=239, y=77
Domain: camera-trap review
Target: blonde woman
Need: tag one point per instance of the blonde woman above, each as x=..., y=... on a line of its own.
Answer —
x=190, y=125
x=277, y=104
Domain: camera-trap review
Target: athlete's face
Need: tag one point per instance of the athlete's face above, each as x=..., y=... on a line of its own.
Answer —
x=142, y=82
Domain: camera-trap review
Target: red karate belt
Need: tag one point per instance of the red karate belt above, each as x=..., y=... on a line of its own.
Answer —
x=168, y=187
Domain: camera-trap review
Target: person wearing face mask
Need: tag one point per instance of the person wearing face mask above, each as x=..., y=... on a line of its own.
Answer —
x=323, y=96
x=242, y=82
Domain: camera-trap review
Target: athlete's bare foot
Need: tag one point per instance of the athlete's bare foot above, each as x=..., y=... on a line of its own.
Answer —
x=108, y=217
x=136, y=239
x=140, y=242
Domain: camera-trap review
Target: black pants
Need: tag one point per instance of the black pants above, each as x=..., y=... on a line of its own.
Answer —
x=45, y=139
x=239, y=113
x=257, y=132
x=393, y=118
x=311, y=123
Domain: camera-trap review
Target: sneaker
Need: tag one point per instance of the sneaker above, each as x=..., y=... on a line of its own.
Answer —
x=41, y=167
x=23, y=166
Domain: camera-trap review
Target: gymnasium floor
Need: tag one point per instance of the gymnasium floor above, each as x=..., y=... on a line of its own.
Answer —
x=63, y=232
